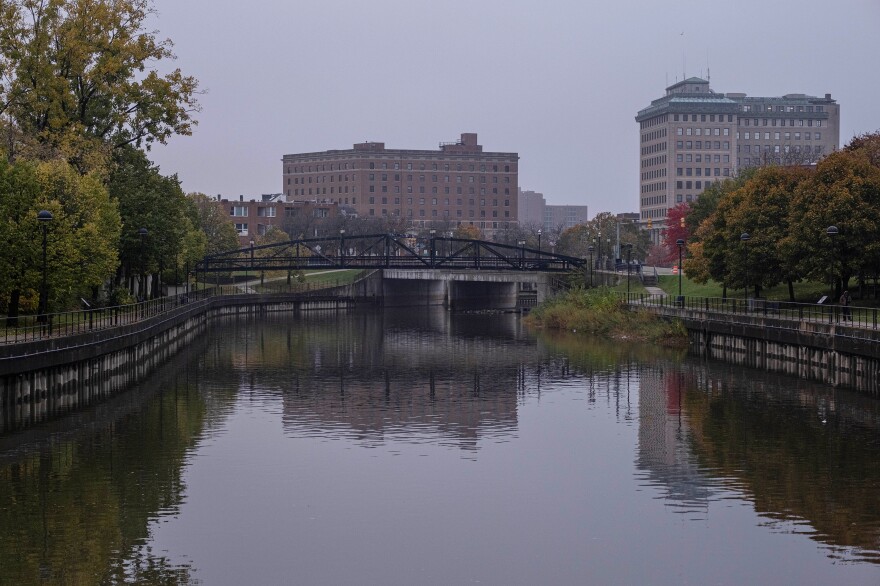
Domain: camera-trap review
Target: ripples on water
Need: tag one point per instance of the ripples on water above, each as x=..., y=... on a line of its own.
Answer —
x=422, y=447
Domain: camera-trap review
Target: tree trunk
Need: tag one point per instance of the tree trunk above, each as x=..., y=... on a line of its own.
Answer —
x=791, y=290
x=12, y=314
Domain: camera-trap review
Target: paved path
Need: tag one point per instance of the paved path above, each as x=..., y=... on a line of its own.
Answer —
x=655, y=292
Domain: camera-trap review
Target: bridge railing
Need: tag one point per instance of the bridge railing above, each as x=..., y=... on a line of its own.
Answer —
x=859, y=317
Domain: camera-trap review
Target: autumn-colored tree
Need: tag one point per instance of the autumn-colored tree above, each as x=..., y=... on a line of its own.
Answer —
x=467, y=232
x=81, y=78
x=676, y=229
x=843, y=192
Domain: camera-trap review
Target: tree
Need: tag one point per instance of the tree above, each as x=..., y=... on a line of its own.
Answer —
x=148, y=200
x=843, y=192
x=467, y=232
x=83, y=80
x=676, y=229
x=81, y=237
x=213, y=220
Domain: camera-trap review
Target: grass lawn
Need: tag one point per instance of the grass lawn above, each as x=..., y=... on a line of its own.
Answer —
x=805, y=292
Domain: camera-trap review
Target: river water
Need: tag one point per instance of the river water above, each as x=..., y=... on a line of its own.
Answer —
x=422, y=447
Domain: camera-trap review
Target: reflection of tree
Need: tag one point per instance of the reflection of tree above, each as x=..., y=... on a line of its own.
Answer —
x=795, y=451
x=77, y=511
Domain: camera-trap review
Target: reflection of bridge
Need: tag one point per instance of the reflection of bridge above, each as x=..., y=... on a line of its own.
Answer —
x=388, y=251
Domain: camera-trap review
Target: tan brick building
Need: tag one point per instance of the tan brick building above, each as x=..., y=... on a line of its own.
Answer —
x=458, y=184
x=692, y=137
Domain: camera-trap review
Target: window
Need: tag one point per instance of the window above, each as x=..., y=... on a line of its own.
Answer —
x=239, y=211
x=242, y=229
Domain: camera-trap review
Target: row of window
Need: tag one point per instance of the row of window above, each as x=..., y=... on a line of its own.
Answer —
x=395, y=166
x=422, y=213
x=703, y=144
x=773, y=122
x=434, y=201
x=435, y=190
x=655, y=121
x=654, y=148
x=653, y=161
x=698, y=171
x=689, y=158
x=703, y=118
x=654, y=174
x=777, y=135
x=698, y=131
x=779, y=108
x=654, y=135
x=775, y=148
x=322, y=191
x=654, y=200
x=384, y=177
x=652, y=187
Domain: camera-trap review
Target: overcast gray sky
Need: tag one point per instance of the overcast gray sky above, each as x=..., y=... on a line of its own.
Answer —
x=558, y=81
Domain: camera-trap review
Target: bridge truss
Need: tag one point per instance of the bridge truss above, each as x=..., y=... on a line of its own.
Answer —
x=380, y=251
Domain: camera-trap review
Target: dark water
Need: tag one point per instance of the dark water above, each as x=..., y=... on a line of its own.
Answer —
x=424, y=448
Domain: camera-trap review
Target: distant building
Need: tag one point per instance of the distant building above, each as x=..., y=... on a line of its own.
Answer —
x=531, y=208
x=253, y=218
x=457, y=184
x=692, y=137
x=564, y=216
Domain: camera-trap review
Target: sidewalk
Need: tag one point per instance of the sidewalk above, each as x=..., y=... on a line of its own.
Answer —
x=655, y=292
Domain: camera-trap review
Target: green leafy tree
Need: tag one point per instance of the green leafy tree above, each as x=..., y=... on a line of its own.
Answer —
x=213, y=219
x=81, y=237
x=82, y=78
x=148, y=200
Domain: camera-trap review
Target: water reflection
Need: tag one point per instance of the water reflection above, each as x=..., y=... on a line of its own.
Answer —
x=77, y=495
x=565, y=436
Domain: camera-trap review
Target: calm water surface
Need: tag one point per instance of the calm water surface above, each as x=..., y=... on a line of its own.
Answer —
x=421, y=447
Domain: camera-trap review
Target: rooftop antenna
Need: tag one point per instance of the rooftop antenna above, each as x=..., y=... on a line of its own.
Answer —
x=708, y=75
x=683, y=59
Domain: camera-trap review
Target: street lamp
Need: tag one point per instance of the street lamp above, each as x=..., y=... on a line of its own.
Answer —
x=522, y=252
x=680, y=243
x=832, y=231
x=44, y=217
x=433, y=234
x=629, y=249
x=539, y=240
x=744, y=238
x=342, y=247
x=251, y=267
x=591, y=249
x=142, y=233
x=599, y=251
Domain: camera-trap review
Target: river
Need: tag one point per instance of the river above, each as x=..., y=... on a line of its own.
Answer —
x=423, y=447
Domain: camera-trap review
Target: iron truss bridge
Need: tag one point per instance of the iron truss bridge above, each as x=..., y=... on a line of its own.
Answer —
x=383, y=251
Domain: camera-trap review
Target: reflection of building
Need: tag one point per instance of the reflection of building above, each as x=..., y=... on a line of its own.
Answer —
x=458, y=184
x=664, y=452
x=419, y=378
x=692, y=137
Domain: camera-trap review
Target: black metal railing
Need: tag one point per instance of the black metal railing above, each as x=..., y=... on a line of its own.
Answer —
x=30, y=328
x=857, y=317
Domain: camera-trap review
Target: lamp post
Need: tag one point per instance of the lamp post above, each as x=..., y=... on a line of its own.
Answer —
x=44, y=217
x=680, y=243
x=251, y=266
x=539, y=240
x=342, y=247
x=832, y=231
x=629, y=248
x=142, y=233
x=599, y=251
x=522, y=252
x=744, y=238
x=433, y=234
x=591, y=249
